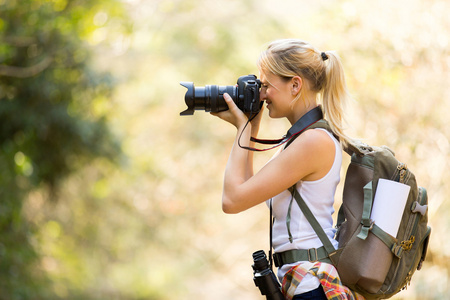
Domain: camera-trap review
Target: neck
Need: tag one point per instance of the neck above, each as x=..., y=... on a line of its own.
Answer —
x=306, y=102
x=298, y=113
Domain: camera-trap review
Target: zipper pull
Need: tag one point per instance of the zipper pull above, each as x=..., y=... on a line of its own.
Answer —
x=417, y=208
x=402, y=168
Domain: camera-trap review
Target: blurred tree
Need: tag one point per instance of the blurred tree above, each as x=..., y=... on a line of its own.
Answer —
x=52, y=117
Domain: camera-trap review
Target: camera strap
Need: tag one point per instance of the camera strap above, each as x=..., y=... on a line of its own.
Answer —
x=303, y=123
x=271, y=221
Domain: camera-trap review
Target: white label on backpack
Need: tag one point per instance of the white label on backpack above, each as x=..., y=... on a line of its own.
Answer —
x=388, y=205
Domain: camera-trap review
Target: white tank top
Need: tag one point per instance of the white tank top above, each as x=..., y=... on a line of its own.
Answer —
x=319, y=196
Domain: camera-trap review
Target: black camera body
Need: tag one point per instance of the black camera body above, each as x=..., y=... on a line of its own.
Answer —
x=210, y=97
x=264, y=277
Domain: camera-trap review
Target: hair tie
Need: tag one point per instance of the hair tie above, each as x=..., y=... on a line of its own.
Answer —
x=324, y=56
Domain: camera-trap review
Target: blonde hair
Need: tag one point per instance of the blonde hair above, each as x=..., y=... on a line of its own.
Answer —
x=323, y=72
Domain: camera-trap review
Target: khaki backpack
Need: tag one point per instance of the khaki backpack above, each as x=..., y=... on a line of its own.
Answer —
x=369, y=260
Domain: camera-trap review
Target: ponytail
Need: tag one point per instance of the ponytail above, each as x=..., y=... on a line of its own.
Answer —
x=335, y=94
x=323, y=70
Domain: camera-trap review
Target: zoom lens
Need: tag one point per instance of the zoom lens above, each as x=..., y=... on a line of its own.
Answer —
x=208, y=98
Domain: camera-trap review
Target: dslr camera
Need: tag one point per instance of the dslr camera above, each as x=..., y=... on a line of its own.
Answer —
x=210, y=97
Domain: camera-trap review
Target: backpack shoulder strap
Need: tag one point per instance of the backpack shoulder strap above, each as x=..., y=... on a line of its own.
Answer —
x=352, y=146
x=322, y=123
x=313, y=221
x=302, y=204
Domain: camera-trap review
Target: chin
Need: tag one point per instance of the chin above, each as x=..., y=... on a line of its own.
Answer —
x=274, y=114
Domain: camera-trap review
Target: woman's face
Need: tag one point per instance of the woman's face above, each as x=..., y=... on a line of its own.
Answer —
x=277, y=92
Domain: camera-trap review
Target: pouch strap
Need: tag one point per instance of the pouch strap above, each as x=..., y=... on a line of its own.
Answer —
x=386, y=238
x=367, y=223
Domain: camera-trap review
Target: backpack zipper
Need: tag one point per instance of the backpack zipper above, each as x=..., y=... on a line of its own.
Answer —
x=408, y=243
x=408, y=278
x=420, y=199
x=401, y=173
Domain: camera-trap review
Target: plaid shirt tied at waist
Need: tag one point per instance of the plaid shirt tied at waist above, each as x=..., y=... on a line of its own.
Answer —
x=328, y=277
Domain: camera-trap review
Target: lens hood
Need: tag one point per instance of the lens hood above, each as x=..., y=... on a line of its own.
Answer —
x=189, y=98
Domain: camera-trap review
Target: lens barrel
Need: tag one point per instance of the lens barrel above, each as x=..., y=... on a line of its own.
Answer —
x=208, y=98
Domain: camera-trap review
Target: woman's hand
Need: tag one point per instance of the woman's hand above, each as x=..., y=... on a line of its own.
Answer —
x=233, y=115
x=236, y=116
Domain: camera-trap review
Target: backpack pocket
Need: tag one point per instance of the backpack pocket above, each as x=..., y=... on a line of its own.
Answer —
x=364, y=263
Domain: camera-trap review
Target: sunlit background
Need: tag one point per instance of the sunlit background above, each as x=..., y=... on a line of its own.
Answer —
x=107, y=193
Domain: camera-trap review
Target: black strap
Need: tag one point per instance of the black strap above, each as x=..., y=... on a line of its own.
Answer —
x=270, y=236
x=303, y=123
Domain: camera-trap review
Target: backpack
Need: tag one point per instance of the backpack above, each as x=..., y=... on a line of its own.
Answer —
x=370, y=261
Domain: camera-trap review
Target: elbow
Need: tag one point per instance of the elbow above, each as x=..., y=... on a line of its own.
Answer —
x=229, y=207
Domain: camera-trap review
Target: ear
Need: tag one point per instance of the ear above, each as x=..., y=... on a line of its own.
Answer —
x=297, y=84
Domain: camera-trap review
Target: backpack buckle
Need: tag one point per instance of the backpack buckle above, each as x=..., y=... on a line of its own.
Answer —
x=367, y=225
x=312, y=255
x=277, y=260
x=397, y=250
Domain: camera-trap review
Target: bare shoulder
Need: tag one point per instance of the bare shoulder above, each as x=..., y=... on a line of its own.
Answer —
x=314, y=140
x=316, y=150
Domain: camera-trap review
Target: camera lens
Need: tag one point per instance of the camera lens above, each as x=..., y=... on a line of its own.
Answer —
x=208, y=98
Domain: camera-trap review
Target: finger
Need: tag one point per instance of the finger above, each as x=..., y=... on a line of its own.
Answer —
x=227, y=97
x=232, y=106
x=228, y=100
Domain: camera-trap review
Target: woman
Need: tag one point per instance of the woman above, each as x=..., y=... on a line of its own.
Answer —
x=295, y=78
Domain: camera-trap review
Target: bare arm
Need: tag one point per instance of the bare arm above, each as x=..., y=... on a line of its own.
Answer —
x=309, y=157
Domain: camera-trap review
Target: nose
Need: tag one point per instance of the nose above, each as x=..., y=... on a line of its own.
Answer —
x=262, y=95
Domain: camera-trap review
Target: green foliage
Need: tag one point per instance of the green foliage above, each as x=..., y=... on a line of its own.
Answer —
x=49, y=124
